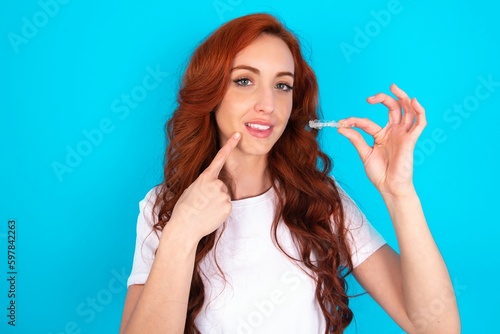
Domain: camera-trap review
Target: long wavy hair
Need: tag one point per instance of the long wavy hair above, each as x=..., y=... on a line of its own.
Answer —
x=309, y=203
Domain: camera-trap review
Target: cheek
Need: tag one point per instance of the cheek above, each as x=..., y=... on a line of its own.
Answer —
x=227, y=116
x=231, y=106
x=221, y=119
x=234, y=97
x=287, y=105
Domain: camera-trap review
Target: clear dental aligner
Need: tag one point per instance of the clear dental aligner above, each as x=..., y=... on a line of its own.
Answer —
x=317, y=124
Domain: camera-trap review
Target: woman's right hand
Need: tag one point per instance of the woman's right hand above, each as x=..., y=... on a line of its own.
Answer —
x=206, y=203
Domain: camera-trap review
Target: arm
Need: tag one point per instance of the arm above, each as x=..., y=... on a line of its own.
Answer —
x=160, y=305
x=414, y=288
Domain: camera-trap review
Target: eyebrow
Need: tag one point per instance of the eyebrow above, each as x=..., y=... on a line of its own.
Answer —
x=256, y=71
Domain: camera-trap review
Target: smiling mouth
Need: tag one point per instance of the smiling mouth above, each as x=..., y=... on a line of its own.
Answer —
x=258, y=126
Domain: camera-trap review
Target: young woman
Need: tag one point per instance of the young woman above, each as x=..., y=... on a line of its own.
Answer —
x=248, y=233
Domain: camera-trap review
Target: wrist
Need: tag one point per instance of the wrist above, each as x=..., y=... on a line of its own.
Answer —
x=403, y=206
x=401, y=201
x=175, y=235
x=401, y=196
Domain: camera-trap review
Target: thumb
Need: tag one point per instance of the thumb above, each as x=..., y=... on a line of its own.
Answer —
x=357, y=140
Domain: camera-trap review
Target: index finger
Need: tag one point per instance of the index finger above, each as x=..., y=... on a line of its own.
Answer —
x=391, y=103
x=220, y=158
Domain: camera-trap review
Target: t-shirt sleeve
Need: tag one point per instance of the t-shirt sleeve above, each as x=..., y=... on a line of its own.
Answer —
x=363, y=238
x=146, y=242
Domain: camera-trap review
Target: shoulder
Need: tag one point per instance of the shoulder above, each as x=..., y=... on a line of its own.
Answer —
x=362, y=236
x=151, y=195
x=351, y=209
x=148, y=213
x=149, y=200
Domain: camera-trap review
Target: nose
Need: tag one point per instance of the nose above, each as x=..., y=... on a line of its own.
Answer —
x=265, y=100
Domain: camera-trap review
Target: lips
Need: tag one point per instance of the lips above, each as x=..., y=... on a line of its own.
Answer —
x=259, y=129
x=258, y=126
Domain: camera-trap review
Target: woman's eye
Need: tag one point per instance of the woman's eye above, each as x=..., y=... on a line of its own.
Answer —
x=243, y=82
x=284, y=87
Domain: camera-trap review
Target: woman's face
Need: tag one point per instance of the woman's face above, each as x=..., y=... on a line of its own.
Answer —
x=258, y=100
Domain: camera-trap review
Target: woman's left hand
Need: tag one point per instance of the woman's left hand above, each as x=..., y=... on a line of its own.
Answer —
x=389, y=162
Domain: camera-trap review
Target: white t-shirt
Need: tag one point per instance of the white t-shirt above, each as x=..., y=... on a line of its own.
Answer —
x=263, y=290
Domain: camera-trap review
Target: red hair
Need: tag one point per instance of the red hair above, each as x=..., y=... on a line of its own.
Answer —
x=309, y=202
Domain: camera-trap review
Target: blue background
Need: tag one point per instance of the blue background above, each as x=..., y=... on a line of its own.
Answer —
x=65, y=71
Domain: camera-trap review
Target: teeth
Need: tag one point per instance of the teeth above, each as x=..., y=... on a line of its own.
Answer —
x=258, y=126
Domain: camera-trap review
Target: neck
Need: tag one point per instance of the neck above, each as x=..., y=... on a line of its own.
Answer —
x=249, y=174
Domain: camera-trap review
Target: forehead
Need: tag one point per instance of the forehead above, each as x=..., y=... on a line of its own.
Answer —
x=267, y=52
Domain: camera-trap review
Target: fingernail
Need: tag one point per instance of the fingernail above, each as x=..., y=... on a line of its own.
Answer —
x=237, y=135
x=344, y=124
x=417, y=101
